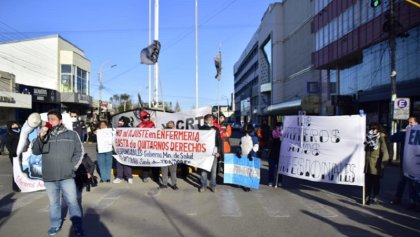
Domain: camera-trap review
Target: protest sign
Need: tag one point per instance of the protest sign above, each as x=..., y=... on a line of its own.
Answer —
x=104, y=138
x=324, y=149
x=242, y=171
x=183, y=120
x=163, y=147
x=411, y=162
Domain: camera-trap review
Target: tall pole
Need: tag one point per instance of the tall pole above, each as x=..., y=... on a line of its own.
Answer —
x=392, y=48
x=149, y=66
x=156, y=67
x=100, y=86
x=196, y=55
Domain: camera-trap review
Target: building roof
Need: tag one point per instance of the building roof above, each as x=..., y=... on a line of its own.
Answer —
x=41, y=37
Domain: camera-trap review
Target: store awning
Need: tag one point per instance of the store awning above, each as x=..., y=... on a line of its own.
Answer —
x=15, y=100
x=288, y=105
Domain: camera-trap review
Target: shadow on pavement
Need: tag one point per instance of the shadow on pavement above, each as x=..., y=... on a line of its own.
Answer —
x=6, y=206
x=93, y=225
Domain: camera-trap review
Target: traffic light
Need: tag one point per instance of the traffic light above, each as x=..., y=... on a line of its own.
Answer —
x=150, y=54
x=375, y=3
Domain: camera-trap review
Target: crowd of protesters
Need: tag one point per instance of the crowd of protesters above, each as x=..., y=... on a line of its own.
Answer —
x=264, y=142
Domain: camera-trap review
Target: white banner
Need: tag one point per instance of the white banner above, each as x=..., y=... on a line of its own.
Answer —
x=104, y=139
x=163, y=147
x=411, y=162
x=183, y=120
x=324, y=149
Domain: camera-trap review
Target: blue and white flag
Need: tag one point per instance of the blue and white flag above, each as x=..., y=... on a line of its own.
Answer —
x=242, y=171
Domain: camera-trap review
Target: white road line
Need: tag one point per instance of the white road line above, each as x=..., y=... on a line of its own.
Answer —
x=272, y=205
x=227, y=203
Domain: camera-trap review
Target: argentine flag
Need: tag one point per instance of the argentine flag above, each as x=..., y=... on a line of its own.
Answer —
x=242, y=171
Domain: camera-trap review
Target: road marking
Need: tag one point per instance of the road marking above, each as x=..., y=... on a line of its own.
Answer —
x=272, y=205
x=19, y=202
x=227, y=203
x=106, y=201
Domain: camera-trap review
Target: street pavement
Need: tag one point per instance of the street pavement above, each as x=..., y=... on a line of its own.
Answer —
x=298, y=208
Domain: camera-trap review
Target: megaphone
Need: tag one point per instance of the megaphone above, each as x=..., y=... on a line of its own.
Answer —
x=34, y=120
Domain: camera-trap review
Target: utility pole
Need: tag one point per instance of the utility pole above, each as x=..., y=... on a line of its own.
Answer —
x=393, y=74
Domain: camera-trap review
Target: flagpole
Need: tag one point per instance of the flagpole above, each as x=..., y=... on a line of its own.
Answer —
x=196, y=56
x=156, y=67
x=149, y=66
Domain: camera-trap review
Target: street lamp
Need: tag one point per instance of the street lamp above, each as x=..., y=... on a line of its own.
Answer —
x=100, y=84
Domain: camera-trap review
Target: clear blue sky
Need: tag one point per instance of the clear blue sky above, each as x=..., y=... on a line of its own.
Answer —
x=116, y=31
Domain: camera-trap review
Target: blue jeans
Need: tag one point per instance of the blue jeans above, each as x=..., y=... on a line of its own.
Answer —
x=212, y=178
x=68, y=188
x=105, y=165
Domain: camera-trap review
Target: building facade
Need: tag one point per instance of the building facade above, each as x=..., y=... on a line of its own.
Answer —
x=352, y=51
x=274, y=75
x=51, y=70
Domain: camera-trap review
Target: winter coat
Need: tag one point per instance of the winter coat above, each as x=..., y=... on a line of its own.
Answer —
x=375, y=160
x=62, y=154
x=218, y=140
x=12, y=140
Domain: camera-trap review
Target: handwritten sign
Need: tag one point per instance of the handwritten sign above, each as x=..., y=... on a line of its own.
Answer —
x=324, y=149
x=104, y=139
x=411, y=162
x=163, y=147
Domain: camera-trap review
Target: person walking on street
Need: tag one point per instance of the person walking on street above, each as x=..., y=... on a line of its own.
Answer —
x=123, y=170
x=77, y=126
x=12, y=140
x=208, y=125
x=62, y=153
x=376, y=158
x=273, y=161
x=104, y=159
x=171, y=168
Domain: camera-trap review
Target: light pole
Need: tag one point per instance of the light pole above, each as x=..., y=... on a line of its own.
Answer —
x=100, y=84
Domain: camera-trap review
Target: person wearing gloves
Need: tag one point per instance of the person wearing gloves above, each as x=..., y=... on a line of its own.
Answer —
x=248, y=146
x=208, y=125
x=62, y=154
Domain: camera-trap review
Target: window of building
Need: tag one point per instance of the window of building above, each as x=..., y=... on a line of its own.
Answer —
x=267, y=49
x=66, y=78
x=81, y=84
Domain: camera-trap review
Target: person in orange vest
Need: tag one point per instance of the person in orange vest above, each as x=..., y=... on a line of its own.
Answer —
x=225, y=131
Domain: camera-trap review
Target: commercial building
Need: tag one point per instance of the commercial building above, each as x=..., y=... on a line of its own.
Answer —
x=43, y=73
x=352, y=51
x=274, y=75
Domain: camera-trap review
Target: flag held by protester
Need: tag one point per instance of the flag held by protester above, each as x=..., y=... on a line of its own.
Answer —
x=242, y=171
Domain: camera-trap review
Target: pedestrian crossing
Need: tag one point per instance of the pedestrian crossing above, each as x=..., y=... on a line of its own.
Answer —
x=227, y=201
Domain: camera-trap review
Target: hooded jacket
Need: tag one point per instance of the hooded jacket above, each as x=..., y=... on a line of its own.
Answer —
x=62, y=154
x=12, y=139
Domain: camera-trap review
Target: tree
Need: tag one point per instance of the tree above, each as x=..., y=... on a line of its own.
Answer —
x=177, y=107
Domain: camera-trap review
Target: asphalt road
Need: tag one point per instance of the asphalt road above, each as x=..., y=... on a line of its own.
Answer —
x=299, y=208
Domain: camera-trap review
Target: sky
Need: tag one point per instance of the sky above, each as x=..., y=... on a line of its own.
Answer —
x=113, y=32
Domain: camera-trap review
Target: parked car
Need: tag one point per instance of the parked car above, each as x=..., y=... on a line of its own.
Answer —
x=3, y=134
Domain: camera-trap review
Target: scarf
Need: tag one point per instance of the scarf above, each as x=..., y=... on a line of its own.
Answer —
x=372, y=140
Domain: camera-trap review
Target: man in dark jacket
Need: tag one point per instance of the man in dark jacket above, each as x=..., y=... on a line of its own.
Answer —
x=62, y=153
x=208, y=125
x=12, y=140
